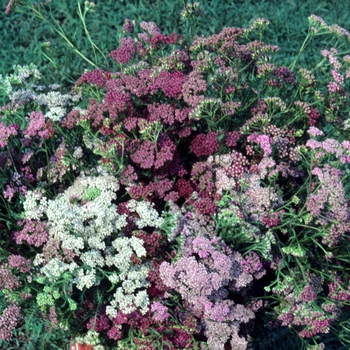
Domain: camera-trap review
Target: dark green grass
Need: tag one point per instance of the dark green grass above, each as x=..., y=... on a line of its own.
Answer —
x=22, y=34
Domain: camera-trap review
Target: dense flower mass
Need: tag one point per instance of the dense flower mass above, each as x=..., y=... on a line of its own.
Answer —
x=196, y=198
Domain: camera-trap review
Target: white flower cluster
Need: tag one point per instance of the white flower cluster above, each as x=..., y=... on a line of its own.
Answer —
x=22, y=73
x=85, y=279
x=54, y=269
x=75, y=225
x=105, y=183
x=78, y=153
x=124, y=247
x=132, y=294
x=91, y=337
x=56, y=103
x=82, y=226
x=92, y=258
x=148, y=215
x=32, y=209
x=128, y=303
x=135, y=300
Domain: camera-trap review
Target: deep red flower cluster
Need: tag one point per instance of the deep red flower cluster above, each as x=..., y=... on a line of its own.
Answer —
x=284, y=75
x=312, y=117
x=99, y=323
x=231, y=138
x=143, y=155
x=205, y=206
x=205, y=144
x=271, y=219
x=184, y=188
x=152, y=242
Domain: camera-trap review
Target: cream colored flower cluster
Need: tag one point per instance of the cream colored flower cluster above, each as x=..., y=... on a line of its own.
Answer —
x=81, y=226
x=148, y=215
x=132, y=294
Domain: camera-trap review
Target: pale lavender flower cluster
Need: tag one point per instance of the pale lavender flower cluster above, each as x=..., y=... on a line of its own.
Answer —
x=203, y=276
x=150, y=27
x=161, y=311
x=20, y=263
x=332, y=192
x=9, y=320
x=7, y=279
x=329, y=146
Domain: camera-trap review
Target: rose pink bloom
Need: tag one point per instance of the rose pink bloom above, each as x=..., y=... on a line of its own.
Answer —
x=346, y=145
x=9, y=193
x=6, y=132
x=333, y=87
x=161, y=311
x=37, y=122
x=313, y=131
x=313, y=144
x=318, y=172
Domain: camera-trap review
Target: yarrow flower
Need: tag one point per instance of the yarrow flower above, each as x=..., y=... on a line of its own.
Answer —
x=128, y=26
x=126, y=51
x=207, y=174
x=205, y=144
x=9, y=320
x=6, y=131
x=161, y=311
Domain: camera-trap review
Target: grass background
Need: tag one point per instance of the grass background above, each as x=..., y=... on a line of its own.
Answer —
x=22, y=33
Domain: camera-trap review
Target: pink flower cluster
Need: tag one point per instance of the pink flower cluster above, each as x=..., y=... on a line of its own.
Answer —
x=9, y=320
x=38, y=127
x=20, y=263
x=264, y=142
x=33, y=233
x=6, y=131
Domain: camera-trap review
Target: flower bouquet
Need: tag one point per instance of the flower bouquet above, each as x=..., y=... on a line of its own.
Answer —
x=196, y=197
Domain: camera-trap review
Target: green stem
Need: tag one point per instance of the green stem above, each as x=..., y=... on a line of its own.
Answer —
x=93, y=45
x=58, y=29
